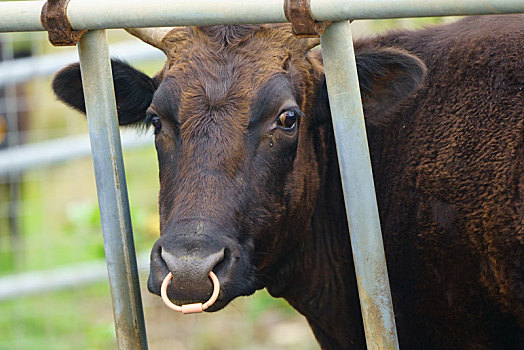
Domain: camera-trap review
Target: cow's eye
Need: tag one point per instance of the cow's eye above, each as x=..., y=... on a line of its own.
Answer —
x=156, y=122
x=287, y=119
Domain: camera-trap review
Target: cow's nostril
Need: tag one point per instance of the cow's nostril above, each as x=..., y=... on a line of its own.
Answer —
x=214, y=260
x=221, y=265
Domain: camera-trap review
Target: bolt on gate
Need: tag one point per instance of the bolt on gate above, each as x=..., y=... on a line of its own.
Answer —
x=66, y=21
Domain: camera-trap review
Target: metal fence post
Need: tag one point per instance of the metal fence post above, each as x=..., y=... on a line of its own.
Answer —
x=112, y=191
x=357, y=183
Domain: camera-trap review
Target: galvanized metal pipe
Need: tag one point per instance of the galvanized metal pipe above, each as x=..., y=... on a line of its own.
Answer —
x=339, y=10
x=113, y=202
x=173, y=12
x=101, y=14
x=358, y=187
x=20, y=16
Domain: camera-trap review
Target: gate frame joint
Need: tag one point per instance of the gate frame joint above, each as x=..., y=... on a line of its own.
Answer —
x=54, y=20
x=298, y=12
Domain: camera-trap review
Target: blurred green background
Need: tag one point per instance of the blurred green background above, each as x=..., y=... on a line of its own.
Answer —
x=58, y=225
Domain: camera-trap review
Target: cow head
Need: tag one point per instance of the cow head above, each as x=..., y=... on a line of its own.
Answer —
x=236, y=113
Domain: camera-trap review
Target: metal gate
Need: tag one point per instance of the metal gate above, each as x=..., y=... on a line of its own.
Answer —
x=346, y=108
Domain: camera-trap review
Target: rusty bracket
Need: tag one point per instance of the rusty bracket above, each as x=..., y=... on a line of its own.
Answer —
x=298, y=12
x=54, y=20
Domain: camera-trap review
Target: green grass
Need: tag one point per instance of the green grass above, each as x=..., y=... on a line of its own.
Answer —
x=63, y=320
x=82, y=319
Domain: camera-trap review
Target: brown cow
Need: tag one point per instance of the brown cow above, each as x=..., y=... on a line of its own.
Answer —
x=250, y=184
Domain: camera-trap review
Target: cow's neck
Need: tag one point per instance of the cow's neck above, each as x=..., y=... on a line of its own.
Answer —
x=322, y=284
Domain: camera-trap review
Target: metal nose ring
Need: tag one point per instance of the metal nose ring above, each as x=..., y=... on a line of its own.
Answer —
x=190, y=308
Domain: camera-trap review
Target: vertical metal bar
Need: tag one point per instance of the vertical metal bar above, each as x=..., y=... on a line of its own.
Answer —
x=359, y=190
x=112, y=192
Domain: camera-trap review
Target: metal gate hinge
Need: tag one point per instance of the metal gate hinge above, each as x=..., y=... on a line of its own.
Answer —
x=54, y=20
x=298, y=12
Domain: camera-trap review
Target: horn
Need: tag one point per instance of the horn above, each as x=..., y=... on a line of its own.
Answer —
x=312, y=42
x=152, y=36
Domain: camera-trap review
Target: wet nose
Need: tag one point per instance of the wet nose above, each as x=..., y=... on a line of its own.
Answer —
x=190, y=264
x=192, y=268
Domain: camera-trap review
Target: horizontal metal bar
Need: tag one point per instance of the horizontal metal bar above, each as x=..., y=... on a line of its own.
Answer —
x=99, y=14
x=20, y=16
x=338, y=10
x=32, y=156
x=139, y=13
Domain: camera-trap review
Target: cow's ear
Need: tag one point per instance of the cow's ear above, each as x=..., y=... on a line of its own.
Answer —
x=133, y=89
x=387, y=77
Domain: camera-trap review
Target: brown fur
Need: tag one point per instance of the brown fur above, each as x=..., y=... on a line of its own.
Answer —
x=449, y=179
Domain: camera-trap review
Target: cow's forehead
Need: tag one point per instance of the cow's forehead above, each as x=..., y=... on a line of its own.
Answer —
x=217, y=74
x=257, y=48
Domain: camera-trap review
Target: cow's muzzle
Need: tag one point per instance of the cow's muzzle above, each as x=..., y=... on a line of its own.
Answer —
x=190, y=258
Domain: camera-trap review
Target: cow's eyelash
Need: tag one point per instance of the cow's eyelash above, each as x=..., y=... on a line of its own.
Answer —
x=292, y=109
x=148, y=119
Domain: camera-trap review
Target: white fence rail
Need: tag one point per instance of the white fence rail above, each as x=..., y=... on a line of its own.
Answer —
x=31, y=156
x=23, y=69
x=73, y=276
